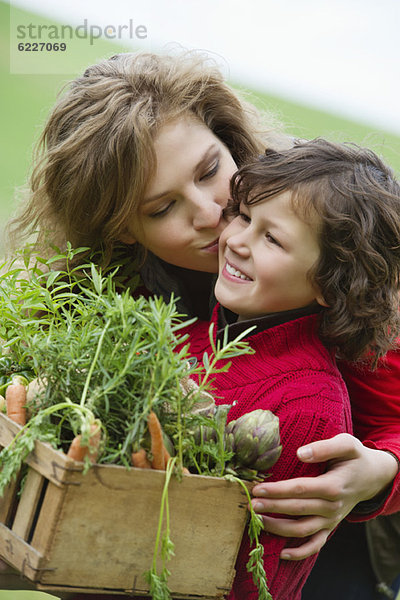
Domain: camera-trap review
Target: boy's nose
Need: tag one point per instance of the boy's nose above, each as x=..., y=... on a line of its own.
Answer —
x=238, y=243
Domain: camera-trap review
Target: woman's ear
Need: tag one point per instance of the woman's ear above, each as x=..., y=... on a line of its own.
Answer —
x=321, y=301
x=127, y=238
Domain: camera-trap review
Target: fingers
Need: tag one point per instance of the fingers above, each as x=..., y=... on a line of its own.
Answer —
x=299, y=528
x=299, y=507
x=326, y=486
x=312, y=546
x=341, y=447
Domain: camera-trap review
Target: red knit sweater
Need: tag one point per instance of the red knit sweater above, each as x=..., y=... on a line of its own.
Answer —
x=293, y=375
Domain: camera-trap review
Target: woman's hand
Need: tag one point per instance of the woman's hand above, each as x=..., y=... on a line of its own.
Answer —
x=355, y=473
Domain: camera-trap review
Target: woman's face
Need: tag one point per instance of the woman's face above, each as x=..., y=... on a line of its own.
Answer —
x=180, y=218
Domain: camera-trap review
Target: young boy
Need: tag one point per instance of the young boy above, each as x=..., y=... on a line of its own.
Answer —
x=312, y=259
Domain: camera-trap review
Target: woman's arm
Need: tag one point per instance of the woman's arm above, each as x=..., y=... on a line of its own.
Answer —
x=358, y=472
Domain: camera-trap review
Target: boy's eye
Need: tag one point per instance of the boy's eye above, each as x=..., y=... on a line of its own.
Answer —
x=272, y=240
x=213, y=171
x=244, y=217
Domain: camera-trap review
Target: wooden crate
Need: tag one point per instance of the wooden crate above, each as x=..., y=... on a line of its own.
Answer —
x=95, y=532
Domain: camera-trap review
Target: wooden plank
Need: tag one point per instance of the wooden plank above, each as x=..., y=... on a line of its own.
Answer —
x=53, y=464
x=7, y=501
x=66, y=589
x=116, y=512
x=28, y=504
x=19, y=554
x=48, y=518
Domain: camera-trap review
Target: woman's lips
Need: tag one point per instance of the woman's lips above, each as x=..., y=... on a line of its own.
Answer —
x=212, y=247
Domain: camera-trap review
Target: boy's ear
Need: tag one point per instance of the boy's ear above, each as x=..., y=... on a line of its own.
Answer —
x=321, y=301
x=127, y=238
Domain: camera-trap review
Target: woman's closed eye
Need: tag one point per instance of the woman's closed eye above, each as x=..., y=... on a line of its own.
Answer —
x=162, y=211
x=211, y=172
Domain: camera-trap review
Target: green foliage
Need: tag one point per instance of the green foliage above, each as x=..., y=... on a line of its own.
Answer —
x=255, y=564
x=100, y=354
x=104, y=356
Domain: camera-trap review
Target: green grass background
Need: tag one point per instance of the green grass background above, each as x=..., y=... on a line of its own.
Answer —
x=26, y=99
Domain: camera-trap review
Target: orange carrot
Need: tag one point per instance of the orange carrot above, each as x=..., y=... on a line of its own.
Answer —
x=157, y=442
x=78, y=452
x=140, y=460
x=16, y=402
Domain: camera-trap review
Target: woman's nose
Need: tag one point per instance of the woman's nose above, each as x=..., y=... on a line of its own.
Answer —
x=207, y=213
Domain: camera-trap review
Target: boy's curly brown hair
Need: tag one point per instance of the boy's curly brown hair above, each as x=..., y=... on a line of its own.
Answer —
x=356, y=199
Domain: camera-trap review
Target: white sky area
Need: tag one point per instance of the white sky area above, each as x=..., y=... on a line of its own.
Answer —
x=338, y=55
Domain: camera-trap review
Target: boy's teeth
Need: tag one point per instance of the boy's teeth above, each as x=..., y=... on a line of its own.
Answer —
x=236, y=273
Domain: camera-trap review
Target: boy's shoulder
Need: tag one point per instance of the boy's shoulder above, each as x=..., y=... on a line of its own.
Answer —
x=295, y=343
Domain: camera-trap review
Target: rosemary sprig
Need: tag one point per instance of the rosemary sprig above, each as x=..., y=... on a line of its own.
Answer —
x=158, y=583
x=255, y=564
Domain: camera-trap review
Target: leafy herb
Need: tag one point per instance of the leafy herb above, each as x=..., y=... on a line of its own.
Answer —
x=255, y=564
x=102, y=354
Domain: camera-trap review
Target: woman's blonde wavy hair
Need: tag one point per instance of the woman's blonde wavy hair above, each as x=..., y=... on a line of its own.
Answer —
x=96, y=154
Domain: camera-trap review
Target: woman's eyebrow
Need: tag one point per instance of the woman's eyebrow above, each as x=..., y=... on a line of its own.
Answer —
x=202, y=160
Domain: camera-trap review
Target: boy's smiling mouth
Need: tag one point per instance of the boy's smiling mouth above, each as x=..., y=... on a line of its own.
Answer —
x=234, y=272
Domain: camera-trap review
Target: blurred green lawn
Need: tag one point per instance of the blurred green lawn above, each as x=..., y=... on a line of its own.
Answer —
x=26, y=99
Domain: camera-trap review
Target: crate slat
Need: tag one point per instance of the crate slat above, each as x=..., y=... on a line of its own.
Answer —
x=7, y=501
x=27, y=505
x=20, y=554
x=48, y=517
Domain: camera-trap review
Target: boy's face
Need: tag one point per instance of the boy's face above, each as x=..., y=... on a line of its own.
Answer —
x=265, y=254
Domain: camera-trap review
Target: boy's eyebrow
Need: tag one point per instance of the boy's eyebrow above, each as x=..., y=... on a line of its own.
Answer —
x=203, y=159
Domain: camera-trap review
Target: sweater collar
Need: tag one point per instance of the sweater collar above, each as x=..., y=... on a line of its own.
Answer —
x=226, y=318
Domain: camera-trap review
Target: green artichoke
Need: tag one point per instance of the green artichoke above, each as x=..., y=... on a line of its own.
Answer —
x=254, y=438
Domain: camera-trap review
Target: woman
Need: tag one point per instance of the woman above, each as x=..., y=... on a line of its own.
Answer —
x=140, y=150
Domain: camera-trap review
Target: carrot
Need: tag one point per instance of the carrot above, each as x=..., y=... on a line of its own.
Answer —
x=140, y=460
x=16, y=401
x=79, y=452
x=158, y=449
